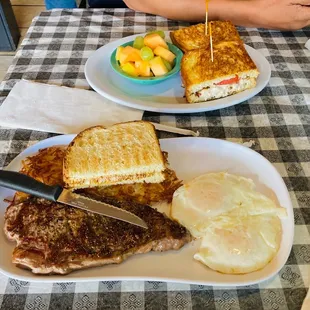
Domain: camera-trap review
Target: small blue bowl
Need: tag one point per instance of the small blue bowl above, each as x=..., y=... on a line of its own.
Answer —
x=153, y=79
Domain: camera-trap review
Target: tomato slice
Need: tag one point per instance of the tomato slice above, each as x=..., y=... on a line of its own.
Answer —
x=229, y=81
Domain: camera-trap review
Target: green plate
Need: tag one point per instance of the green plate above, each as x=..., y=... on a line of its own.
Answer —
x=149, y=80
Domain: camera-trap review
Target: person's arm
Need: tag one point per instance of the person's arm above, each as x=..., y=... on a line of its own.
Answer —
x=187, y=10
x=273, y=14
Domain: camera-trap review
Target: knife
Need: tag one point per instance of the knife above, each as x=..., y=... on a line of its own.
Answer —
x=23, y=183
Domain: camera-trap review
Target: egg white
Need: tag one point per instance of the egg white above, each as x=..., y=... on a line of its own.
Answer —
x=214, y=194
x=240, y=227
x=241, y=245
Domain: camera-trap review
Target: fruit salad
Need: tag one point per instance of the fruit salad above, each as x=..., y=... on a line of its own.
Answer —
x=148, y=56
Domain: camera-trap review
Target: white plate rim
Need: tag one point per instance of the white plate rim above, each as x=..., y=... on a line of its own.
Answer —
x=136, y=103
x=64, y=140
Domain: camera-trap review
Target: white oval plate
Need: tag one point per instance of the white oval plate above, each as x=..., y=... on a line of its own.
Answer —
x=189, y=157
x=165, y=97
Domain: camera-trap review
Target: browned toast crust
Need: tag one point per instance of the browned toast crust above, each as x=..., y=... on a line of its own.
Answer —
x=193, y=37
x=229, y=59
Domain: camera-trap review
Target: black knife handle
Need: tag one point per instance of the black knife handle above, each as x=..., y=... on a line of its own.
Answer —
x=23, y=183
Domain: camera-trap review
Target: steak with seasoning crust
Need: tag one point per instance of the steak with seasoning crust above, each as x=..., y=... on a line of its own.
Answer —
x=52, y=238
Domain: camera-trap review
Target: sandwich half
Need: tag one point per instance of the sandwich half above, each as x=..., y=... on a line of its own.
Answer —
x=121, y=154
x=193, y=37
x=232, y=71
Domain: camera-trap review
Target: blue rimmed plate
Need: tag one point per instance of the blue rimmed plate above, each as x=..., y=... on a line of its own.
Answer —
x=165, y=97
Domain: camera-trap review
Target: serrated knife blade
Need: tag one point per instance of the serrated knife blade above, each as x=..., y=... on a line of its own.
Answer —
x=88, y=204
x=23, y=183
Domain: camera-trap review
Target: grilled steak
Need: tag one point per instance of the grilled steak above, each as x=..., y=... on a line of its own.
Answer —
x=52, y=238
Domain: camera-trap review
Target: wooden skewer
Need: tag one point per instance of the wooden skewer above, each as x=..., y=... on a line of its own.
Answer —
x=211, y=41
x=206, y=27
x=180, y=131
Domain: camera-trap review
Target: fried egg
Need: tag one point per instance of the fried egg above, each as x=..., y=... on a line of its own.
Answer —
x=215, y=194
x=239, y=227
x=241, y=245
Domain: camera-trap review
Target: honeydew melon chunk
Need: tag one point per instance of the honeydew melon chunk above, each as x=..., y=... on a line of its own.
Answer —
x=157, y=66
x=118, y=51
x=167, y=64
x=130, y=69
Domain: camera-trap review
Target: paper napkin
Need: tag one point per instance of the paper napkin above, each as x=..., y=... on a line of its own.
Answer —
x=58, y=109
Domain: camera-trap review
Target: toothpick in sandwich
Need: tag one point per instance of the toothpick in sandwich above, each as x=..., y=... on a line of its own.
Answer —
x=206, y=28
x=211, y=41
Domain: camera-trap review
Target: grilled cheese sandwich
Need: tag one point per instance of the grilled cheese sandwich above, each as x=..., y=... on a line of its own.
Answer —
x=194, y=37
x=231, y=71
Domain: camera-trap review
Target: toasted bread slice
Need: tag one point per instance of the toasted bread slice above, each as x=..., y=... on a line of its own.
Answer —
x=47, y=167
x=231, y=71
x=193, y=37
x=123, y=153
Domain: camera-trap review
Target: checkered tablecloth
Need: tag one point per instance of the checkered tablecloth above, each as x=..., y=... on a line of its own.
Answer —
x=55, y=50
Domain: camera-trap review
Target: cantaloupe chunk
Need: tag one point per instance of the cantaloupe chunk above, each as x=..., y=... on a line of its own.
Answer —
x=118, y=51
x=143, y=67
x=164, y=53
x=153, y=40
x=128, y=54
x=130, y=69
x=157, y=66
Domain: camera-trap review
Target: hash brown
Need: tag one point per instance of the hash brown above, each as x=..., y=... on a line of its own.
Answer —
x=45, y=166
